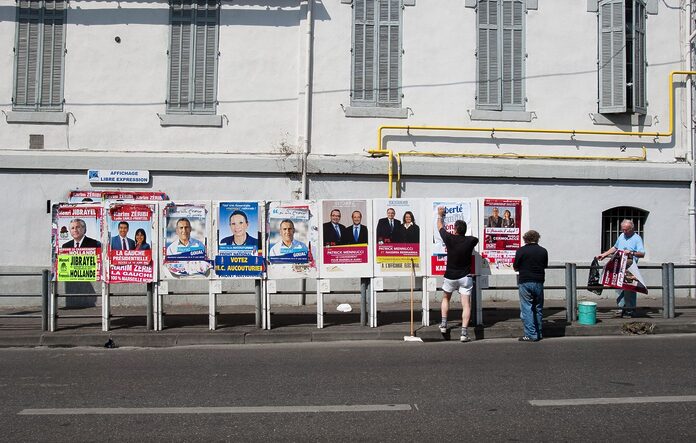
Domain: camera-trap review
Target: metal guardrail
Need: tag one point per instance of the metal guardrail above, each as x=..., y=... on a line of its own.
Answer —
x=45, y=282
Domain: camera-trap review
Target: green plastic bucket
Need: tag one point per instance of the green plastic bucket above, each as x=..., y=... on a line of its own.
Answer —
x=587, y=312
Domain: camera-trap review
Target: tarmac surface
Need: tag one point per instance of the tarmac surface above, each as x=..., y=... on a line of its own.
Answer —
x=186, y=325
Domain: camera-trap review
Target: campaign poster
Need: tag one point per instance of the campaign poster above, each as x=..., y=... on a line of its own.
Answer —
x=99, y=196
x=240, y=251
x=621, y=272
x=502, y=220
x=292, y=234
x=130, y=243
x=185, y=230
x=78, y=247
x=345, y=238
x=454, y=210
x=85, y=197
x=398, y=236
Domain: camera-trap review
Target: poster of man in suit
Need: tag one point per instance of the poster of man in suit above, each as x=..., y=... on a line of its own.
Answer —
x=398, y=241
x=345, y=235
x=130, y=251
x=78, y=248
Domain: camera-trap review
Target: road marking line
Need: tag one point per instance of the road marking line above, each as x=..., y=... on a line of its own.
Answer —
x=613, y=401
x=218, y=410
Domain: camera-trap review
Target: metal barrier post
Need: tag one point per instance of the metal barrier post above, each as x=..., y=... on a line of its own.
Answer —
x=149, y=326
x=45, y=281
x=364, y=284
x=670, y=290
x=568, y=293
x=665, y=291
x=259, y=301
x=477, y=308
x=52, y=308
x=574, y=289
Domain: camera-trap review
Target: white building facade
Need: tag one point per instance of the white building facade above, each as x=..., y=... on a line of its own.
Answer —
x=564, y=102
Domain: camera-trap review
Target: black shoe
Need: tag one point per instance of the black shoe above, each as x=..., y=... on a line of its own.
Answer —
x=525, y=338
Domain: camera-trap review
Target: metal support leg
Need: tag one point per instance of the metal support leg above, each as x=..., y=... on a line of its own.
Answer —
x=574, y=288
x=150, y=310
x=373, y=306
x=570, y=308
x=320, y=306
x=425, y=302
x=665, y=291
x=477, y=302
x=670, y=298
x=106, y=311
x=364, y=285
x=266, y=306
x=45, y=291
x=212, y=305
x=258, y=310
x=52, y=307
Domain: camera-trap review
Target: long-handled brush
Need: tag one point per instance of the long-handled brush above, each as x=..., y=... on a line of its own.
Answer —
x=412, y=337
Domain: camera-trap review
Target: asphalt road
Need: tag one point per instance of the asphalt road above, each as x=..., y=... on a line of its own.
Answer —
x=492, y=390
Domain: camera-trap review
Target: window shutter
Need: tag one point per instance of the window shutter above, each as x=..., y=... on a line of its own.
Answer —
x=27, y=51
x=489, y=79
x=205, y=57
x=389, y=55
x=639, y=61
x=612, y=56
x=179, y=56
x=52, y=55
x=512, y=53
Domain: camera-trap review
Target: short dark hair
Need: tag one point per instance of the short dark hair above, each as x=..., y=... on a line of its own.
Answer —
x=460, y=227
x=238, y=212
x=531, y=236
x=123, y=223
x=287, y=220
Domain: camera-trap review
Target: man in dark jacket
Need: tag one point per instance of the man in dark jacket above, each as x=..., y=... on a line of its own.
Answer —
x=530, y=261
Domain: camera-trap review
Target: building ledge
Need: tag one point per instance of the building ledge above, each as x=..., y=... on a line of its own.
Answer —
x=501, y=116
x=38, y=117
x=199, y=120
x=376, y=111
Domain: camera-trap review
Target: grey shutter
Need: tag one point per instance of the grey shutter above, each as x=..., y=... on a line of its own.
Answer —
x=179, y=55
x=512, y=54
x=389, y=53
x=363, y=51
x=52, y=56
x=205, y=56
x=26, y=54
x=489, y=79
x=612, y=56
x=639, y=61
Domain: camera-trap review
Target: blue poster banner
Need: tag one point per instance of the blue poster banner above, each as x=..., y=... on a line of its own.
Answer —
x=238, y=266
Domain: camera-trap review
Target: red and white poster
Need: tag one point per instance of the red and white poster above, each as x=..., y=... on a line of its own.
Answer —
x=130, y=250
x=77, y=243
x=463, y=210
x=345, y=238
x=108, y=196
x=622, y=272
x=398, y=241
x=503, y=221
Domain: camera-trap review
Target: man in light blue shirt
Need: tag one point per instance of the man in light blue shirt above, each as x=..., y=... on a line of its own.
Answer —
x=632, y=245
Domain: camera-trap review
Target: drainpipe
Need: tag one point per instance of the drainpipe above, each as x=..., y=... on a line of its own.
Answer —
x=692, y=187
x=306, y=145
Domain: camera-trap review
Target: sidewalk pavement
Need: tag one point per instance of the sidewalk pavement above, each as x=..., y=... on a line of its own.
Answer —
x=188, y=325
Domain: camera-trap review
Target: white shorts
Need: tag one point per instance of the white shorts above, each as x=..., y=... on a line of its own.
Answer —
x=464, y=285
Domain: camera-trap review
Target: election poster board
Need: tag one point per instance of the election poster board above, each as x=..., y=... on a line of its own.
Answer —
x=185, y=230
x=455, y=209
x=97, y=196
x=399, y=232
x=503, y=222
x=132, y=243
x=345, y=237
x=239, y=239
x=292, y=234
x=78, y=243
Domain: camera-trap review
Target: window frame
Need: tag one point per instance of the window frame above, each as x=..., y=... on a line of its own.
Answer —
x=39, y=71
x=193, y=23
x=611, y=223
x=375, y=101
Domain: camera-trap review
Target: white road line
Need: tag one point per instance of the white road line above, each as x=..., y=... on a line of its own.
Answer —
x=613, y=401
x=218, y=410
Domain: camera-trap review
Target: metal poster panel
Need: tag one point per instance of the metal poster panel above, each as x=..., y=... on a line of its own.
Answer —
x=185, y=232
x=398, y=236
x=503, y=222
x=78, y=247
x=90, y=196
x=462, y=209
x=85, y=197
x=130, y=243
x=346, y=238
x=239, y=246
x=293, y=234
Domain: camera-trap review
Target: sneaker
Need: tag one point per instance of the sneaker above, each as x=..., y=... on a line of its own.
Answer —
x=619, y=313
x=527, y=339
x=443, y=327
x=464, y=338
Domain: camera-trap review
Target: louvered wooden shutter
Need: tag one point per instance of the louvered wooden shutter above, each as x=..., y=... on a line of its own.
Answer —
x=363, y=89
x=205, y=56
x=512, y=54
x=639, y=61
x=612, y=56
x=489, y=78
x=52, y=55
x=181, y=15
x=389, y=53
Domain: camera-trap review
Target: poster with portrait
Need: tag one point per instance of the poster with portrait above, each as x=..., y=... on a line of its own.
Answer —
x=399, y=232
x=503, y=221
x=345, y=238
x=185, y=230
x=460, y=209
x=78, y=243
x=239, y=245
x=130, y=245
x=292, y=234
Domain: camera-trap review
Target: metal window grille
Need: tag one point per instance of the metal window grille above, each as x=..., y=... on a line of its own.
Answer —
x=611, y=223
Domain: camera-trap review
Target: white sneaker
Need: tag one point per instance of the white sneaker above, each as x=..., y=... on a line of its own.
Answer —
x=464, y=339
x=443, y=327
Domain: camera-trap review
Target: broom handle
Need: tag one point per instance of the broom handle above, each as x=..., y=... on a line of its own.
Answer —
x=413, y=274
